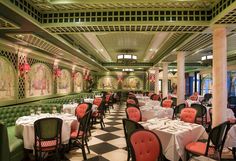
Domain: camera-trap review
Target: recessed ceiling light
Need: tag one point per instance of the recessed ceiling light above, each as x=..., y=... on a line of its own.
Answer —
x=150, y=49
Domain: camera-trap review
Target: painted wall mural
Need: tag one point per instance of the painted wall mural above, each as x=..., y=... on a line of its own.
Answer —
x=78, y=82
x=7, y=80
x=107, y=82
x=38, y=81
x=132, y=83
x=64, y=82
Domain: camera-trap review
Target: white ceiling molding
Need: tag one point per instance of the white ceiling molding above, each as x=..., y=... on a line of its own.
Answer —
x=155, y=44
x=92, y=38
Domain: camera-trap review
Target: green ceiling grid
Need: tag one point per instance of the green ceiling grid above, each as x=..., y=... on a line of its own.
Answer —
x=117, y=28
x=28, y=8
x=107, y=4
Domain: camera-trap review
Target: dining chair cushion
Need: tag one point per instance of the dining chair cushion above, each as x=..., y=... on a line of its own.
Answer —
x=74, y=134
x=199, y=148
x=145, y=145
x=47, y=145
x=167, y=103
x=133, y=114
x=188, y=115
x=81, y=110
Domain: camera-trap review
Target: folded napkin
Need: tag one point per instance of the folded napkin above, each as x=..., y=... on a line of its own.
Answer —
x=151, y=127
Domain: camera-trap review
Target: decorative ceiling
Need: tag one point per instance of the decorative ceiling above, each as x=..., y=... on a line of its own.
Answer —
x=57, y=5
x=96, y=31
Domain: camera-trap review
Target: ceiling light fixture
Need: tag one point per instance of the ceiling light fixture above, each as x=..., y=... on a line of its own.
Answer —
x=207, y=60
x=127, y=58
x=127, y=70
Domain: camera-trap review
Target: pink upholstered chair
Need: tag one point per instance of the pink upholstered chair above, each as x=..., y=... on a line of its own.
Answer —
x=155, y=97
x=133, y=113
x=145, y=146
x=188, y=115
x=167, y=103
x=81, y=109
x=213, y=146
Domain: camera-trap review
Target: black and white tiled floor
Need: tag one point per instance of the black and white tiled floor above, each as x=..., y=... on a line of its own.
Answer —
x=108, y=143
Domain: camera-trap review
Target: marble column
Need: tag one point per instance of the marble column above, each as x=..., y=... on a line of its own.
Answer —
x=180, y=77
x=219, y=71
x=157, y=80
x=165, y=80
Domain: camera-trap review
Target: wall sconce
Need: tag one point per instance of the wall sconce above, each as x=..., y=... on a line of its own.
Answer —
x=24, y=69
x=73, y=74
x=152, y=78
x=57, y=72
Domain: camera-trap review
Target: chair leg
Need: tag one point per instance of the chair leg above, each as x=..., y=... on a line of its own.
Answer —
x=128, y=155
x=187, y=156
x=83, y=152
x=234, y=152
x=86, y=143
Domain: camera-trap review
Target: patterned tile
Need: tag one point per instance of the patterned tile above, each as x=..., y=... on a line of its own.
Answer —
x=103, y=148
x=113, y=123
x=117, y=155
x=106, y=137
x=111, y=129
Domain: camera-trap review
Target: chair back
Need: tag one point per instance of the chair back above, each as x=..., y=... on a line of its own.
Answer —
x=48, y=133
x=131, y=102
x=167, y=103
x=133, y=113
x=217, y=137
x=107, y=98
x=201, y=110
x=207, y=96
x=188, y=115
x=155, y=97
x=178, y=109
x=174, y=99
x=145, y=146
x=4, y=143
x=84, y=123
x=99, y=102
x=82, y=108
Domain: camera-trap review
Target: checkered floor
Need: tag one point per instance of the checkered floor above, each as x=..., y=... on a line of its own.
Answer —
x=109, y=143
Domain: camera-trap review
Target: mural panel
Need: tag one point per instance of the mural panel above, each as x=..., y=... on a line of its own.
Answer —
x=107, y=82
x=7, y=80
x=39, y=81
x=78, y=82
x=133, y=83
x=64, y=82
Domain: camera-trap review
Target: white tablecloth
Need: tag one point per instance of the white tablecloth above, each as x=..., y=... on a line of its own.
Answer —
x=70, y=108
x=229, y=113
x=25, y=127
x=190, y=102
x=89, y=100
x=231, y=137
x=142, y=98
x=175, y=135
x=149, y=112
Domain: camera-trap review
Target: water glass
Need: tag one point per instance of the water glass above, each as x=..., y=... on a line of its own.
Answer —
x=32, y=112
x=39, y=110
x=54, y=109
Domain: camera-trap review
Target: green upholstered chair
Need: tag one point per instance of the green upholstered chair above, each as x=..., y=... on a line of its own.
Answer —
x=11, y=148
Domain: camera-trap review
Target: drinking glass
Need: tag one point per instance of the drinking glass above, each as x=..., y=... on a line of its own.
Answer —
x=39, y=110
x=54, y=109
x=32, y=112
